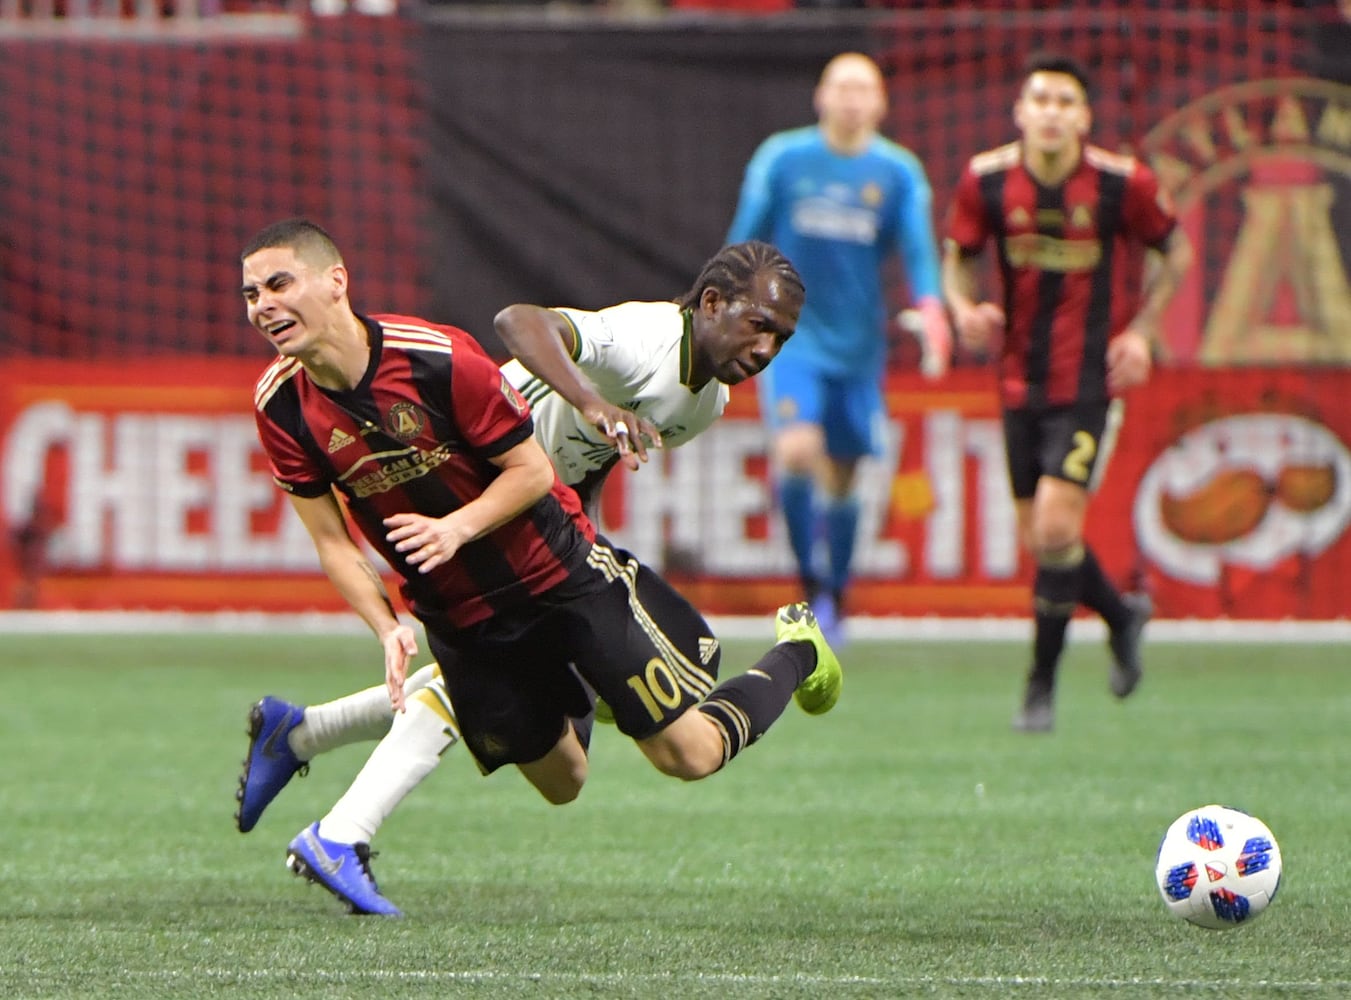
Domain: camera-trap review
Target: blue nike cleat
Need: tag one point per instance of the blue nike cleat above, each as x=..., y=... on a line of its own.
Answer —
x=270, y=763
x=342, y=869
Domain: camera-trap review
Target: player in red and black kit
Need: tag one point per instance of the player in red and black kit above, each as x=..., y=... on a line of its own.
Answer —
x=434, y=454
x=1069, y=221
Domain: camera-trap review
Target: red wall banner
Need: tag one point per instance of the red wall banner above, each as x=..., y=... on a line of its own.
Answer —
x=142, y=486
x=1231, y=494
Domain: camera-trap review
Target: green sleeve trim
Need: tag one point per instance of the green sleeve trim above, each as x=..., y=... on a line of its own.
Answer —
x=687, y=348
x=574, y=348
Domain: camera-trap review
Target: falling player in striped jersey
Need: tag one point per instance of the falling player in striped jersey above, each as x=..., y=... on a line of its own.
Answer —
x=419, y=417
x=1069, y=221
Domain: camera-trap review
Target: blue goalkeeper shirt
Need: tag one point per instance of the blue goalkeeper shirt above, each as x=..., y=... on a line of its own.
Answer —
x=837, y=218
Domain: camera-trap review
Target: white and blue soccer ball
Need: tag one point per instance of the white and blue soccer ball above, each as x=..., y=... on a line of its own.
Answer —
x=1218, y=867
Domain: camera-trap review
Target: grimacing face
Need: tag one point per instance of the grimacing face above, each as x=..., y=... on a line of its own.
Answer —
x=288, y=299
x=1052, y=113
x=741, y=336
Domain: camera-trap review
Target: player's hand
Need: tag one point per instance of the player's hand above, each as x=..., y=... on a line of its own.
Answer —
x=629, y=433
x=1128, y=360
x=935, y=337
x=428, y=542
x=979, y=325
x=400, y=645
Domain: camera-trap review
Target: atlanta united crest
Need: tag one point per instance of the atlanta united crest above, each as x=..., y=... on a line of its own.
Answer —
x=1255, y=170
x=405, y=421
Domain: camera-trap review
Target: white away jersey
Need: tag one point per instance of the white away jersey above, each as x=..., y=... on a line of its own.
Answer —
x=639, y=355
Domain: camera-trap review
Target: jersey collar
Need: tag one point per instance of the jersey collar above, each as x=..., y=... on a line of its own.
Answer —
x=687, y=350
x=375, y=339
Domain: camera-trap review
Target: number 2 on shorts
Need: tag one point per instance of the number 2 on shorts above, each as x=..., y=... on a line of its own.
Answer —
x=1077, y=461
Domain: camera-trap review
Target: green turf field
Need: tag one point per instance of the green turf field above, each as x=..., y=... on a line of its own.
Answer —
x=907, y=844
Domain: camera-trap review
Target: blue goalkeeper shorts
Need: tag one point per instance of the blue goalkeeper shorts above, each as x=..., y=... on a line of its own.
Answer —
x=850, y=409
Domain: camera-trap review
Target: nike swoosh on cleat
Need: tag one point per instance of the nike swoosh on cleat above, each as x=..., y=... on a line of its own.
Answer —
x=331, y=866
x=270, y=744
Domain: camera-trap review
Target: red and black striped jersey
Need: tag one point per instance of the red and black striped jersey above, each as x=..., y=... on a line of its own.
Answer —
x=1070, y=259
x=416, y=435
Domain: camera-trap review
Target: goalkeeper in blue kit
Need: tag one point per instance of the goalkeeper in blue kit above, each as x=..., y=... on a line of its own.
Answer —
x=838, y=199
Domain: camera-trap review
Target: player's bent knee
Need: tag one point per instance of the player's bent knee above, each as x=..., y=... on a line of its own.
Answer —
x=561, y=796
x=1055, y=530
x=799, y=449
x=560, y=774
x=1057, y=539
x=557, y=789
x=683, y=766
x=690, y=748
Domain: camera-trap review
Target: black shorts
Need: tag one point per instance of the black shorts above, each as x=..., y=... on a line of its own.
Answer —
x=516, y=679
x=1072, y=443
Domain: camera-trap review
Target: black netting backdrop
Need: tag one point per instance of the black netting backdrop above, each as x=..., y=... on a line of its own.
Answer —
x=954, y=78
x=587, y=165
x=465, y=161
x=132, y=172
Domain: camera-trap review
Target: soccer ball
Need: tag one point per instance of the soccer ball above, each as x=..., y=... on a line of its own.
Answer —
x=1218, y=867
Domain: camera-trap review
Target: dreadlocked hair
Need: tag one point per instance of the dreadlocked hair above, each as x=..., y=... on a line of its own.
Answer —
x=732, y=269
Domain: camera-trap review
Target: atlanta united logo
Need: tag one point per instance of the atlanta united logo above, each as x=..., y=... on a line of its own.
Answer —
x=405, y=421
x=1255, y=170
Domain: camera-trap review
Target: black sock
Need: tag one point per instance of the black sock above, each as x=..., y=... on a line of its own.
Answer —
x=1097, y=593
x=1055, y=593
x=1047, y=647
x=744, y=707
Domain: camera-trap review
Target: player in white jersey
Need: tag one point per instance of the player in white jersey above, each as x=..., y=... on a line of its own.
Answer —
x=603, y=387
x=637, y=353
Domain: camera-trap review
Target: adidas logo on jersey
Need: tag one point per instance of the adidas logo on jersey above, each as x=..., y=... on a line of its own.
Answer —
x=339, y=440
x=707, y=649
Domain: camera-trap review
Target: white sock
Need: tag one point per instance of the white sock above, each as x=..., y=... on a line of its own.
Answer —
x=415, y=743
x=354, y=718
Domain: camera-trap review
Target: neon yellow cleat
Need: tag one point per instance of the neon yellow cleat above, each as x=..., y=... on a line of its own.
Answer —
x=821, y=690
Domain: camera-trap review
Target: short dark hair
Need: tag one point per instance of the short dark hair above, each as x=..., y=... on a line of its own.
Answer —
x=1056, y=62
x=732, y=269
x=306, y=238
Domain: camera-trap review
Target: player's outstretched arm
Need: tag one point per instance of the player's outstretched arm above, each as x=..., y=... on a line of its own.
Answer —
x=546, y=343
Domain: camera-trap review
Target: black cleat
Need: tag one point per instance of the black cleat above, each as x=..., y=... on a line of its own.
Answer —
x=1125, y=645
x=1038, y=712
